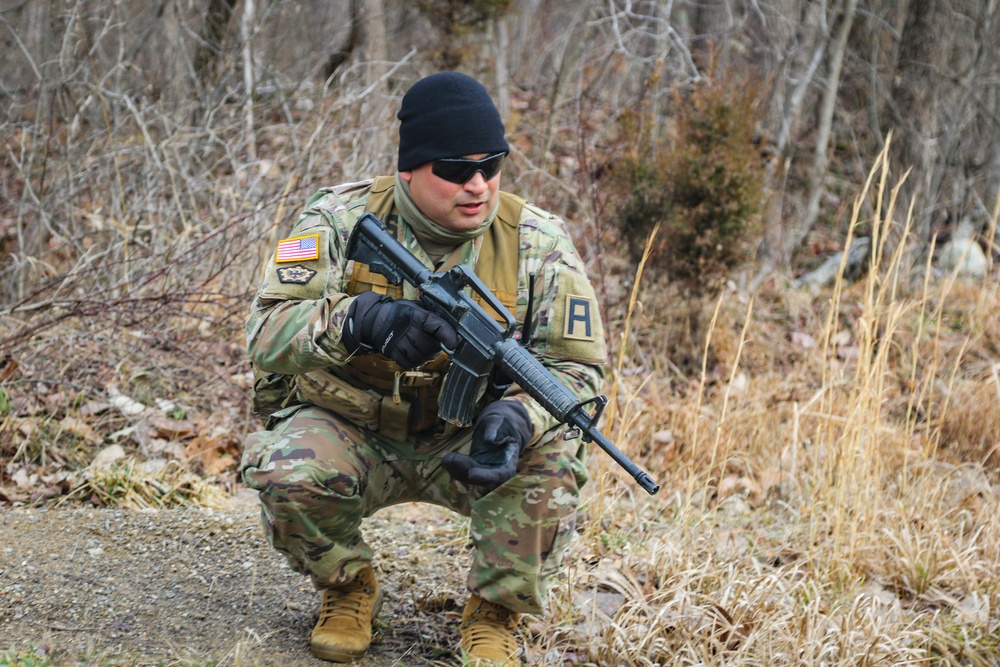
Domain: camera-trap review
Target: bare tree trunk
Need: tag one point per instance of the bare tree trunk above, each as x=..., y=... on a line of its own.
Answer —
x=209, y=51
x=246, y=33
x=798, y=49
x=501, y=73
x=573, y=48
x=341, y=55
x=914, y=111
x=710, y=21
x=992, y=190
x=800, y=228
x=968, y=138
x=194, y=73
x=39, y=45
x=178, y=75
x=374, y=46
x=367, y=39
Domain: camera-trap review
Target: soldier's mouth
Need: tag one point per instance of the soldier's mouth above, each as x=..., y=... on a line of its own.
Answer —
x=473, y=208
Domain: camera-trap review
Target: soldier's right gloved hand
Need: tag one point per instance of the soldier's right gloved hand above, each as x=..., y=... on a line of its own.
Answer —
x=400, y=329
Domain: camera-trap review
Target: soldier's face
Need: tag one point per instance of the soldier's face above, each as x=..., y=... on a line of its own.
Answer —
x=457, y=207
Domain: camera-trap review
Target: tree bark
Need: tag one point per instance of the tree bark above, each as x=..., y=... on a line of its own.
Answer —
x=710, y=21
x=913, y=110
x=246, y=33
x=209, y=51
x=800, y=229
x=341, y=55
x=178, y=72
x=795, y=55
x=374, y=46
x=501, y=73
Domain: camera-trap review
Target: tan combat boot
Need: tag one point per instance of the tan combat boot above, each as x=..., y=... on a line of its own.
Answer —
x=488, y=634
x=344, y=629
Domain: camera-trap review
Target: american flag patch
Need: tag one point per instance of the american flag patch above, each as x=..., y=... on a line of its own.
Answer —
x=297, y=249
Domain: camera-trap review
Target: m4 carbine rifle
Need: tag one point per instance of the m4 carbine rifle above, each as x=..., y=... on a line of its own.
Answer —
x=483, y=342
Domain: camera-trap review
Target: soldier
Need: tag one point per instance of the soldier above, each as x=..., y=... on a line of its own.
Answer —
x=349, y=368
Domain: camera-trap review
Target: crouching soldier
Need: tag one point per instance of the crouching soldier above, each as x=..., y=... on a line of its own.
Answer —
x=357, y=367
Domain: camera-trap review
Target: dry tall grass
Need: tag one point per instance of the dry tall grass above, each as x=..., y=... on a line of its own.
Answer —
x=837, y=511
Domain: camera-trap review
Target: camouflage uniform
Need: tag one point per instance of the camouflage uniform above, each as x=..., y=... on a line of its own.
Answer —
x=321, y=470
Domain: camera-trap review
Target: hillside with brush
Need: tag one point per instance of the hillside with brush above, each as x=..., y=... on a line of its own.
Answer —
x=789, y=213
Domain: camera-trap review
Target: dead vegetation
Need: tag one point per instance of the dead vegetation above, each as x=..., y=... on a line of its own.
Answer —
x=829, y=480
x=827, y=456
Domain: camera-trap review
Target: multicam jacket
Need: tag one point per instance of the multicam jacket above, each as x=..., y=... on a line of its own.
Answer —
x=295, y=323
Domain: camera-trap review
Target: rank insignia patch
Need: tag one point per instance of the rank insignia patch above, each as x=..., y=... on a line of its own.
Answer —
x=579, y=323
x=295, y=275
x=297, y=249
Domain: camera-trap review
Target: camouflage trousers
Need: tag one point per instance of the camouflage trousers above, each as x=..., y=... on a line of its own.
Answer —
x=319, y=476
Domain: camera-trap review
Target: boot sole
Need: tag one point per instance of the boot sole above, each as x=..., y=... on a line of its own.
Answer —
x=339, y=653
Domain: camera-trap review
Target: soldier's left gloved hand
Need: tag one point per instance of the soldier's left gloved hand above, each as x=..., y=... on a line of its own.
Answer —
x=501, y=432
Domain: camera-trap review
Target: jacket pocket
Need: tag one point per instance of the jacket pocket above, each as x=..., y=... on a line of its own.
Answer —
x=270, y=393
x=324, y=389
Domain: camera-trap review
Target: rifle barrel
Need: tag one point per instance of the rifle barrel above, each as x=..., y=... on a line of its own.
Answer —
x=529, y=373
x=640, y=476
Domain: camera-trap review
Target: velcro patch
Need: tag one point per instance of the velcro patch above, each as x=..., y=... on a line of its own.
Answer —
x=580, y=313
x=575, y=330
x=295, y=275
x=297, y=249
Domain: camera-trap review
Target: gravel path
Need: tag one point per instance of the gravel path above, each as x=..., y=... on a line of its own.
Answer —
x=196, y=586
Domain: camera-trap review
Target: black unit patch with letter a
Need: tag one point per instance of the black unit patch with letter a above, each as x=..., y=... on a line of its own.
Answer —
x=579, y=318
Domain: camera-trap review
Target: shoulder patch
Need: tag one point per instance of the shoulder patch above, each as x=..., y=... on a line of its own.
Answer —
x=297, y=249
x=304, y=278
x=575, y=329
x=295, y=275
x=579, y=313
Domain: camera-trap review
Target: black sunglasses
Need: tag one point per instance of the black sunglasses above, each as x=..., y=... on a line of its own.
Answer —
x=460, y=170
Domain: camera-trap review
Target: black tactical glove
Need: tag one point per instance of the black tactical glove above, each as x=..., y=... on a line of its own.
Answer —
x=400, y=329
x=501, y=432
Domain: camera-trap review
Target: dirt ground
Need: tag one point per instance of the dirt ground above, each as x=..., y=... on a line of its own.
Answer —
x=198, y=587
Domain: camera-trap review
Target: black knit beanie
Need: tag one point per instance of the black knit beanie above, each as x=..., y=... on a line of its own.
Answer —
x=448, y=114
